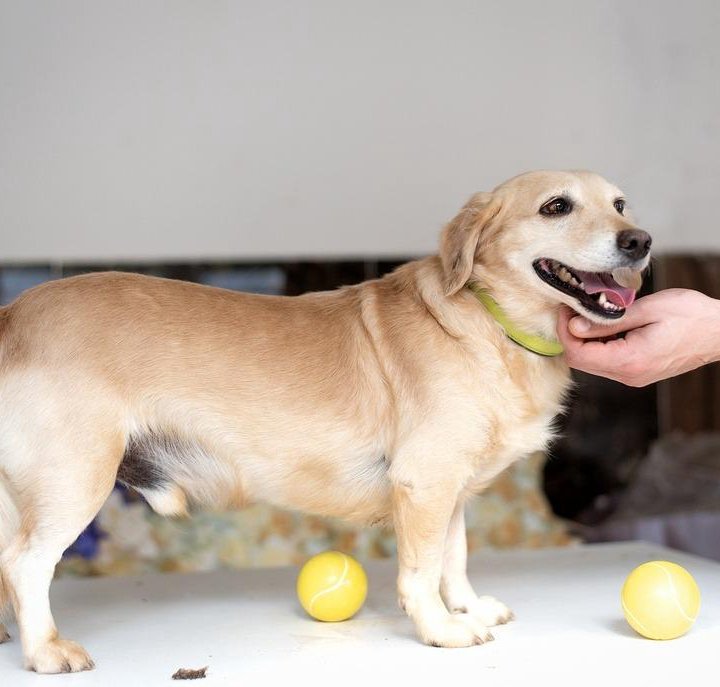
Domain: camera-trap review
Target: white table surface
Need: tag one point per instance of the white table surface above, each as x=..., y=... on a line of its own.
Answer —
x=248, y=628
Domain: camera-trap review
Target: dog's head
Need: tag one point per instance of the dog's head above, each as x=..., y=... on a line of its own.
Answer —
x=551, y=237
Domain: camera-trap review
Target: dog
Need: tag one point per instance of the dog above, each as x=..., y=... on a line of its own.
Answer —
x=392, y=401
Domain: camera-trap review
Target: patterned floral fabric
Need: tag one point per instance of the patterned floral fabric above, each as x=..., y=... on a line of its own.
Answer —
x=127, y=537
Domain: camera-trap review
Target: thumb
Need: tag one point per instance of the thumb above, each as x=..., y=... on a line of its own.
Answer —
x=637, y=315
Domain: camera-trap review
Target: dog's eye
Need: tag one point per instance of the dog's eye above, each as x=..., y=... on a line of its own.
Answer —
x=620, y=205
x=556, y=206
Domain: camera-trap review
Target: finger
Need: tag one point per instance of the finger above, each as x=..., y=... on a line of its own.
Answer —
x=565, y=316
x=606, y=358
x=637, y=315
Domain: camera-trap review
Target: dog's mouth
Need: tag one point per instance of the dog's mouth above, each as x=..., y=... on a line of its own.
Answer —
x=599, y=292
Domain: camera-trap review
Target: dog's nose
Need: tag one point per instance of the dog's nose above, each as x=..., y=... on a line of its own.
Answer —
x=635, y=243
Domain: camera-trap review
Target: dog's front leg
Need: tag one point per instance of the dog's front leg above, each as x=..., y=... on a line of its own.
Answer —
x=422, y=514
x=455, y=587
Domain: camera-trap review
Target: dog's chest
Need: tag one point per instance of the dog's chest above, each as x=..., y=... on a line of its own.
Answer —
x=525, y=435
x=527, y=400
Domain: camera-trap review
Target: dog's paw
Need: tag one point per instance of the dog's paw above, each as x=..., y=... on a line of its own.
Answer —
x=4, y=634
x=488, y=611
x=59, y=656
x=456, y=631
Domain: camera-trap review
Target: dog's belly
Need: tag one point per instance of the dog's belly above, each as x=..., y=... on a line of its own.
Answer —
x=347, y=485
x=175, y=473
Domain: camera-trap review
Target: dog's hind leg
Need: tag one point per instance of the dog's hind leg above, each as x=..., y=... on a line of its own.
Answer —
x=9, y=524
x=455, y=588
x=66, y=476
x=4, y=603
x=60, y=510
x=4, y=606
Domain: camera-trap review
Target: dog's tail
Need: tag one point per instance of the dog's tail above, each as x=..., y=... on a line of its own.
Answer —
x=9, y=525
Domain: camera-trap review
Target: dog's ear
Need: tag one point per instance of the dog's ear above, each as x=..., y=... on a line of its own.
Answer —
x=461, y=239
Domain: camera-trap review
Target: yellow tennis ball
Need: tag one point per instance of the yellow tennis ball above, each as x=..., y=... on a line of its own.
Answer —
x=660, y=599
x=332, y=586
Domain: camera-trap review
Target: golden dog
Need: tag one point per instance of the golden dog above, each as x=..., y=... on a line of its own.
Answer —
x=387, y=402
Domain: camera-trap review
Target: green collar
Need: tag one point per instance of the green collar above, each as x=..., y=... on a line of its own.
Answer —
x=532, y=342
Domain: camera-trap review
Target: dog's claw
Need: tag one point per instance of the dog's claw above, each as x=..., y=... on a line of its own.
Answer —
x=486, y=610
x=457, y=631
x=60, y=656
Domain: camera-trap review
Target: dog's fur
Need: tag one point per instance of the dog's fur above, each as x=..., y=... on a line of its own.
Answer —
x=387, y=402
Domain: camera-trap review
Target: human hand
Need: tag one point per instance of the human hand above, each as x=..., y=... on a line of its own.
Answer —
x=668, y=333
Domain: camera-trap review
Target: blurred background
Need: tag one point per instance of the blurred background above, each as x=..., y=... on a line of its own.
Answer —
x=279, y=147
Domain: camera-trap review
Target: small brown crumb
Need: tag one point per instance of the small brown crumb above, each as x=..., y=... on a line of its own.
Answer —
x=189, y=673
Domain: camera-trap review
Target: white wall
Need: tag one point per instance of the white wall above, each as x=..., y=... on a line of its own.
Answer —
x=231, y=130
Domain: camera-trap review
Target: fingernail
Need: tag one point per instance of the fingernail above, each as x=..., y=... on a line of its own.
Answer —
x=580, y=325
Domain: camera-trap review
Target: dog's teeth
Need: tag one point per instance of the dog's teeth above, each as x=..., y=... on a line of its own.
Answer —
x=581, y=285
x=573, y=281
x=602, y=298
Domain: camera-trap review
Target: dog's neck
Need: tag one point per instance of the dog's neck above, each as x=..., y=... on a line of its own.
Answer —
x=541, y=345
x=533, y=316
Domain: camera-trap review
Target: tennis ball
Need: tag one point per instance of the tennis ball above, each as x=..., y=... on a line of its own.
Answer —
x=660, y=599
x=332, y=586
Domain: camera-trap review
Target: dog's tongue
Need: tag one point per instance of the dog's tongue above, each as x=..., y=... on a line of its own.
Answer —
x=594, y=282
